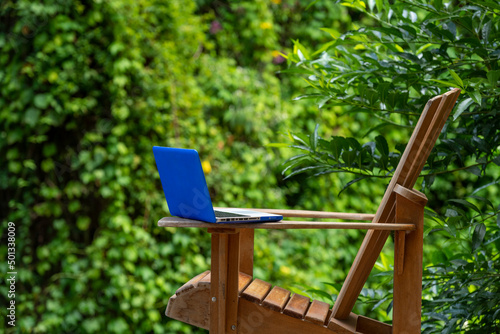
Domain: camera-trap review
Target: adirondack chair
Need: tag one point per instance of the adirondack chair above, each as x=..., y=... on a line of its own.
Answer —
x=227, y=299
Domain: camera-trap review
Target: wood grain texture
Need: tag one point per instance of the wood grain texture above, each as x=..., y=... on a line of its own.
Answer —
x=411, y=194
x=370, y=326
x=206, y=280
x=192, y=283
x=233, y=265
x=256, y=291
x=217, y=283
x=416, y=153
x=243, y=281
x=317, y=313
x=343, y=326
x=246, y=250
x=191, y=307
x=407, y=300
x=255, y=319
x=297, y=306
x=399, y=251
x=276, y=299
x=284, y=224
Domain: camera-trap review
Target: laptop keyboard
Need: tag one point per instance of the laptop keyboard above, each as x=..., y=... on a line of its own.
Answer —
x=221, y=214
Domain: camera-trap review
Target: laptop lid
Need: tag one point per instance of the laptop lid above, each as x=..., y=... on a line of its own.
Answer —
x=184, y=183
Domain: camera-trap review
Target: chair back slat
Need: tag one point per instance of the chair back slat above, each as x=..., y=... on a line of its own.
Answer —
x=412, y=161
x=446, y=106
x=417, y=151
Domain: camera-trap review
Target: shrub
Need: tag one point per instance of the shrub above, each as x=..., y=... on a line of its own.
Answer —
x=401, y=54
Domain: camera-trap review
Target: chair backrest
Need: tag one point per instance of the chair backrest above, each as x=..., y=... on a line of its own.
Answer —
x=417, y=151
x=424, y=136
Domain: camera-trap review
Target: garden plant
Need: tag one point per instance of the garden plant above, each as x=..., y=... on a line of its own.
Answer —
x=88, y=87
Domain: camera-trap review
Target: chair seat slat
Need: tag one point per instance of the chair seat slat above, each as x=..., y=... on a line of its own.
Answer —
x=256, y=291
x=317, y=313
x=297, y=306
x=276, y=299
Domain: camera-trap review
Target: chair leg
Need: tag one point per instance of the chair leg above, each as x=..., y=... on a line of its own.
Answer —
x=224, y=281
x=246, y=250
x=407, y=304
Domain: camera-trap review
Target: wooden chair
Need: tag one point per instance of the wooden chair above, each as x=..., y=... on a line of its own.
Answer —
x=227, y=299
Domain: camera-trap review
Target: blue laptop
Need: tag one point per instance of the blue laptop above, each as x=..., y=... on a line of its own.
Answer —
x=186, y=189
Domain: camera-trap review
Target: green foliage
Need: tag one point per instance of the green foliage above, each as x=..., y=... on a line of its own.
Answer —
x=383, y=72
x=87, y=88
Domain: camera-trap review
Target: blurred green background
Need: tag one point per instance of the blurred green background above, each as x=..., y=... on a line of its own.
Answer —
x=88, y=87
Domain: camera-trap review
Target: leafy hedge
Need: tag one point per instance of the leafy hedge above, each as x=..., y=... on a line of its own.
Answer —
x=87, y=88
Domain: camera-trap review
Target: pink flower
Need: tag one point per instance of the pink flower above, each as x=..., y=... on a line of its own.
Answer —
x=215, y=27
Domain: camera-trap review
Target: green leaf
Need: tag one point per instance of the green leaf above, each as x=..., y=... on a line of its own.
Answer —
x=476, y=96
x=493, y=77
x=474, y=170
x=383, y=90
x=456, y=78
x=296, y=138
x=337, y=145
x=306, y=96
x=319, y=293
x=334, y=33
x=485, y=186
x=302, y=170
x=41, y=101
x=386, y=262
x=31, y=117
x=350, y=183
x=117, y=325
x=313, y=139
x=380, y=302
x=382, y=146
x=451, y=213
x=462, y=107
x=482, y=199
x=486, y=31
x=423, y=48
x=300, y=50
x=324, y=48
x=478, y=235
x=466, y=204
x=354, y=143
x=336, y=286
x=349, y=157
x=389, y=307
x=312, y=3
x=323, y=101
x=371, y=4
x=446, y=83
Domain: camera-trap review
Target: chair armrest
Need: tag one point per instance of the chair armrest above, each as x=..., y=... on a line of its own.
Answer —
x=283, y=224
x=315, y=214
